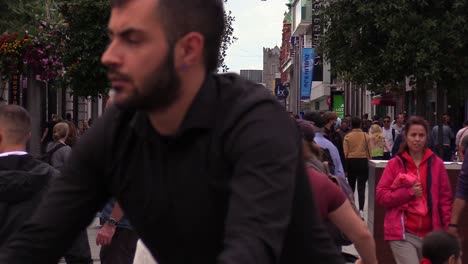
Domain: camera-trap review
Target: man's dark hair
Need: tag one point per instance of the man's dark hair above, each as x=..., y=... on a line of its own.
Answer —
x=356, y=122
x=180, y=17
x=16, y=123
x=315, y=118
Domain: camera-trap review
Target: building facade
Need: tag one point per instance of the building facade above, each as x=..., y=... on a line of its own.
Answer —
x=271, y=67
x=252, y=75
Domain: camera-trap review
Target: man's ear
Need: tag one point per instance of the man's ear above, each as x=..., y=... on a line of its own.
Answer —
x=189, y=50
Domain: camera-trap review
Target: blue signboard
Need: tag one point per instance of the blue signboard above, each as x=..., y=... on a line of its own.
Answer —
x=307, y=72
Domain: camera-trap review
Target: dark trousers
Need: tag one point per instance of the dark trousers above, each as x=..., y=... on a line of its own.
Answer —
x=122, y=248
x=79, y=252
x=358, y=170
x=386, y=156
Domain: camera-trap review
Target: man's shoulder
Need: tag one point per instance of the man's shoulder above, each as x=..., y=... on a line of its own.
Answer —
x=239, y=98
x=233, y=88
x=324, y=142
x=27, y=164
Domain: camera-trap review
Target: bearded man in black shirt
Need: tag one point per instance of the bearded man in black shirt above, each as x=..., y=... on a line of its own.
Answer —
x=206, y=167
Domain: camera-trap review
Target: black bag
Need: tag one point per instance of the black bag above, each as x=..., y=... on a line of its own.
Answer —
x=326, y=157
x=48, y=155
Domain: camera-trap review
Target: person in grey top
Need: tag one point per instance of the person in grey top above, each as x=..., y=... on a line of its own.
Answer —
x=60, y=155
x=447, y=136
x=80, y=251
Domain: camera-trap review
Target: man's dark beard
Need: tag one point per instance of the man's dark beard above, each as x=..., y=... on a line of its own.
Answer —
x=157, y=93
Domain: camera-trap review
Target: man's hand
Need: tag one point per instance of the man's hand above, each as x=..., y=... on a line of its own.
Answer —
x=105, y=234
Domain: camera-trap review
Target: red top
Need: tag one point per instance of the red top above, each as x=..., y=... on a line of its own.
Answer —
x=327, y=194
x=416, y=224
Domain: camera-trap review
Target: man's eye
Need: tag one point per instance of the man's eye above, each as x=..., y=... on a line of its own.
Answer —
x=133, y=41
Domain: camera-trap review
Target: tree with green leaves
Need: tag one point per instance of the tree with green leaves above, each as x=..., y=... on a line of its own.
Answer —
x=376, y=43
x=85, y=42
x=380, y=43
x=228, y=39
x=87, y=24
x=84, y=39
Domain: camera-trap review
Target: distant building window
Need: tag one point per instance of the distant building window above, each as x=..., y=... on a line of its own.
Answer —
x=317, y=106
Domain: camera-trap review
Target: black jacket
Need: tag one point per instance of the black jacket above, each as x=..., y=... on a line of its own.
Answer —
x=23, y=180
x=229, y=187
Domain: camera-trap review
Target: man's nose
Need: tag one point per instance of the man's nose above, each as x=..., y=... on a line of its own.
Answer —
x=111, y=57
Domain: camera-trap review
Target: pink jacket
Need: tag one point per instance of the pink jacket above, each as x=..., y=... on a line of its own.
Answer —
x=439, y=196
x=407, y=180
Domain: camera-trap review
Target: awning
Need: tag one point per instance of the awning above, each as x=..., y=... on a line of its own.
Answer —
x=384, y=100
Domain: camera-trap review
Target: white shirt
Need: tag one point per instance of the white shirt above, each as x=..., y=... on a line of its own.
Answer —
x=397, y=128
x=462, y=132
x=389, y=137
x=13, y=153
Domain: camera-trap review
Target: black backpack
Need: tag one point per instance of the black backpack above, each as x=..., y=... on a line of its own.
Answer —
x=326, y=157
x=48, y=155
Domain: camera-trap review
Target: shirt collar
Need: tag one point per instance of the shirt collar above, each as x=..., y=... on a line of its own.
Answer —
x=201, y=114
x=13, y=153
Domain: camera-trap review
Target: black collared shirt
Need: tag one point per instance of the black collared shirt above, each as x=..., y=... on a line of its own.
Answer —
x=228, y=187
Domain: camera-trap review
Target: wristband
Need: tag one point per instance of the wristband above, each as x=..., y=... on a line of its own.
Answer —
x=453, y=225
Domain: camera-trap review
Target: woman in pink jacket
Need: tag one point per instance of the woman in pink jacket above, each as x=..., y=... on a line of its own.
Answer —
x=416, y=192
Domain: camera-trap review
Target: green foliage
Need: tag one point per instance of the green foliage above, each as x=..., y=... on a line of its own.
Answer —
x=228, y=40
x=81, y=25
x=87, y=20
x=18, y=16
x=86, y=41
x=380, y=42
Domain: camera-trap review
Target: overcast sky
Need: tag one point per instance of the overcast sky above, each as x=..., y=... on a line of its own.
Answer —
x=258, y=24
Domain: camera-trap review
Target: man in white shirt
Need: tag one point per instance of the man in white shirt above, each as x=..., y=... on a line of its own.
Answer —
x=390, y=135
x=24, y=180
x=400, y=123
x=461, y=134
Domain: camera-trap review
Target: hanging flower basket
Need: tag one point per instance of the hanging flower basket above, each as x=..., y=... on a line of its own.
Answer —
x=41, y=50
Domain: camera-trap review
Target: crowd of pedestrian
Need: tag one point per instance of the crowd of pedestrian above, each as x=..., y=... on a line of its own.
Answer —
x=414, y=187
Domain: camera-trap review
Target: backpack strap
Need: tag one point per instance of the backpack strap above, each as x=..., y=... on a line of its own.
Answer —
x=404, y=163
x=393, y=135
x=429, y=182
x=52, y=151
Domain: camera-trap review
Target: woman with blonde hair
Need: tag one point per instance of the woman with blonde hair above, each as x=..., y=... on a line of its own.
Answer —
x=58, y=151
x=377, y=143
